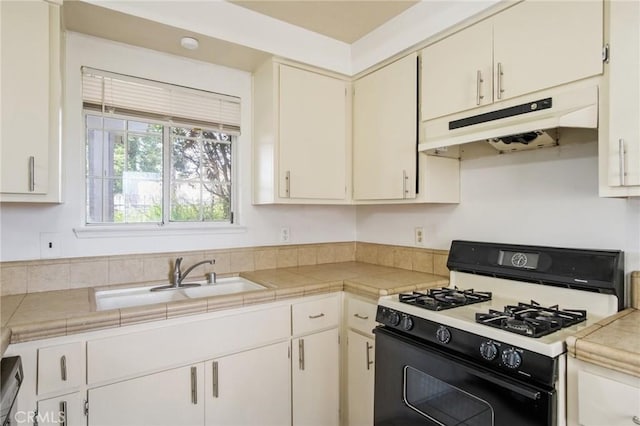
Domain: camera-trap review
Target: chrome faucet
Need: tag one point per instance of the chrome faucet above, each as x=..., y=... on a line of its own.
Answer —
x=178, y=276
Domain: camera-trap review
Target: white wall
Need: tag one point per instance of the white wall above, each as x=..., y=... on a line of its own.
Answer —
x=544, y=197
x=22, y=224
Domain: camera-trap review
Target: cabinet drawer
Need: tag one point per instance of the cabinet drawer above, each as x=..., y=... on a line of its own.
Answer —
x=315, y=315
x=361, y=315
x=63, y=410
x=602, y=401
x=60, y=367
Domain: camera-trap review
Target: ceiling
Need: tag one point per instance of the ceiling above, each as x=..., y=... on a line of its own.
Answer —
x=342, y=20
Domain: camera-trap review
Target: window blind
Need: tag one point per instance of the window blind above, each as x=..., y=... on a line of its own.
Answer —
x=109, y=92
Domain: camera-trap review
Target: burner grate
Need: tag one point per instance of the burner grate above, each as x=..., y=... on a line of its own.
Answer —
x=532, y=319
x=438, y=299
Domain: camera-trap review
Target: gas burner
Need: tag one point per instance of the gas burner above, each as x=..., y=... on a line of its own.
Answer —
x=438, y=299
x=532, y=319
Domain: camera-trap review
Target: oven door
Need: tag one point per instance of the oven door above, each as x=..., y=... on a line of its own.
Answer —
x=417, y=384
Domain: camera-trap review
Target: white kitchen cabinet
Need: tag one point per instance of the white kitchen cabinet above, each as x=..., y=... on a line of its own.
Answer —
x=385, y=132
x=619, y=137
x=171, y=397
x=457, y=72
x=67, y=410
x=249, y=388
x=30, y=90
x=60, y=367
x=301, y=149
x=315, y=379
x=360, y=365
x=528, y=47
x=598, y=396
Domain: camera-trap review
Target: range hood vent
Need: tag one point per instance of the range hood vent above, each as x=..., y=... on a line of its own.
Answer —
x=517, y=124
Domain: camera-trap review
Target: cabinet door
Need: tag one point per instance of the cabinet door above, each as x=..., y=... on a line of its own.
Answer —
x=624, y=94
x=316, y=386
x=457, y=72
x=25, y=96
x=312, y=135
x=602, y=401
x=249, y=388
x=540, y=44
x=360, y=364
x=172, y=397
x=60, y=367
x=67, y=410
x=385, y=132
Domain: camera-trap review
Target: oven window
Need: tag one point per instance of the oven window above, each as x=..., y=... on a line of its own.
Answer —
x=443, y=403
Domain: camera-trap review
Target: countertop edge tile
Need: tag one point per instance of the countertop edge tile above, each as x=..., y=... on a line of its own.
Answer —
x=608, y=357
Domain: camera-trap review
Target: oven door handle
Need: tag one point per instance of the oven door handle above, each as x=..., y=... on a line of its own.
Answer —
x=519, y=389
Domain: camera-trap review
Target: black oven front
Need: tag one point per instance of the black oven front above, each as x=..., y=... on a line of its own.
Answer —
x=417, y=383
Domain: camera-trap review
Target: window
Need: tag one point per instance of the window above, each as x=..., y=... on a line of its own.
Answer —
x=157, y=153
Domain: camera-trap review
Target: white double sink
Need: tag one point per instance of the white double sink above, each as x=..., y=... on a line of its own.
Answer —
x=137, y=296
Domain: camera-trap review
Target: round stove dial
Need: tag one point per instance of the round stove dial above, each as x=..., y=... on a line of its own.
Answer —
x=511, y=358
x=406, y=323
x=443, y=335
x=394, y=318
x=488, y=350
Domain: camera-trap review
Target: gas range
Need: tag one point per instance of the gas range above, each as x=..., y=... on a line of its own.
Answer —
x=497, y=331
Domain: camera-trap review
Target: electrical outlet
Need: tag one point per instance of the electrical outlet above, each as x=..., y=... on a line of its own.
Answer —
x=50, y=245
x=284, y=234
x=419, y=235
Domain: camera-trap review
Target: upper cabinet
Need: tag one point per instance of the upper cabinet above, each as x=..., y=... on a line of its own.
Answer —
x=30, y=95
x=531, y=46
x=619, y=132
x=301, y=136
x=385, y=132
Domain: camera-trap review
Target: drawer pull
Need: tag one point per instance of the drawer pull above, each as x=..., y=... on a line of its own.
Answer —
x=369, y=362
x=362, y=317
x=62, y=415
x=32, y=173
x=301, y=354
x=320, y=315
x=623, y=172
x=194, y=385
x=63, y=368
x=215, y=378
x=636, y=420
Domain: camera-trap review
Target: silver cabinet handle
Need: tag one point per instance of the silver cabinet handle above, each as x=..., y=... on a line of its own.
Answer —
x=301, y=354
x=63, y=368
x=32, y=173
x=214, y=364
x=621, y=157
x=362, y=317
x=62, y=415
x=287, y=183
x=636, y=420
x=194, y=385
x=500, y=74
x=405, y=178
x=479, y=82
x=369, y=362
x=320, y=315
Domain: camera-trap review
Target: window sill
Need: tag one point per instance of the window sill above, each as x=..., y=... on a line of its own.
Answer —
x=155, y=230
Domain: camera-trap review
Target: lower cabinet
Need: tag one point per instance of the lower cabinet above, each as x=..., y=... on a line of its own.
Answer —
x=360, y=364
x=172, y=397
x=249, y=388
x=67, y=410
x=316, y=379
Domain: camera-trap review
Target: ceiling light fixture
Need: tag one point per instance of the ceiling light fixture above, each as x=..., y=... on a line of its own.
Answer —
x=189, y=43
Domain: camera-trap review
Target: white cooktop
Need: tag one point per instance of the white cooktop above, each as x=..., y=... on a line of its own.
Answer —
x=507, y=292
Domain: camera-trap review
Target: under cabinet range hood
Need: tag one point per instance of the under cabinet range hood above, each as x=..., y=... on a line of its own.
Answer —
x=528, y=122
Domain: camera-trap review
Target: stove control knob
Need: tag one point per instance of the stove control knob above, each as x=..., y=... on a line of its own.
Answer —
x=394, y=318
x=443, y=335
x=488, y=350
x=511, y=358
x=407, y=322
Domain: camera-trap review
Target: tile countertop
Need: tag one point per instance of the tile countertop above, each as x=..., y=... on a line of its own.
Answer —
x=615, y=341
x=58, y=313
